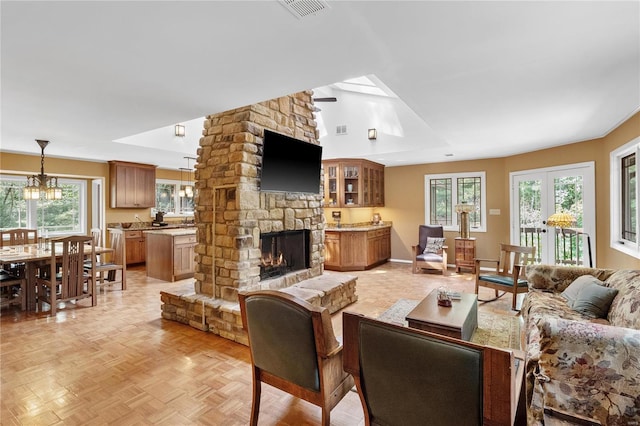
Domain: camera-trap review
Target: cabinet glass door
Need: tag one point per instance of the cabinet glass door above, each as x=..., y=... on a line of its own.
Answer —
x=351, y=185
x=331, y=188
x=366, y=186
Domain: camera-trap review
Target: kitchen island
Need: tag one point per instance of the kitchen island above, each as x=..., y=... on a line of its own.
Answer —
x=356, y=247
x=170, y=253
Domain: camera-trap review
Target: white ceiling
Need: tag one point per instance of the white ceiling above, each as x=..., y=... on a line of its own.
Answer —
x=473, y=79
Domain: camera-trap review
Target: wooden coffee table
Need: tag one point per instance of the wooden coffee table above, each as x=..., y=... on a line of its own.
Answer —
x=459, y=321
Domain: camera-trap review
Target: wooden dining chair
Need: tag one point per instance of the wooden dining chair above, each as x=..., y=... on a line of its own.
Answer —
x=117, y=262
x=508, y=273
x=14, y=290
x=70, y=281
x=18, y=236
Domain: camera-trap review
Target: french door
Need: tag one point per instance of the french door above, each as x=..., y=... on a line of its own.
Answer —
x=538, y=194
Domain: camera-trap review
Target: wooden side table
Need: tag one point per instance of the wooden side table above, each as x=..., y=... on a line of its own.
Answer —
x=465, y=253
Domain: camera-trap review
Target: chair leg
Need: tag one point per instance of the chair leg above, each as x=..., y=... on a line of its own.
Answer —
x=255, y=403
x=326, y=416
x=52, y=299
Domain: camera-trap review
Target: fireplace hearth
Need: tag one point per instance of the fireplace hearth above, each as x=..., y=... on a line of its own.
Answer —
x=283, y=252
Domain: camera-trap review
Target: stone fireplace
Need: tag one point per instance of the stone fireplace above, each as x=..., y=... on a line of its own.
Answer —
x=237, y=223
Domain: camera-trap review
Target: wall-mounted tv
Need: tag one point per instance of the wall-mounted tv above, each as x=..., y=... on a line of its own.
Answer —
x=290, y=165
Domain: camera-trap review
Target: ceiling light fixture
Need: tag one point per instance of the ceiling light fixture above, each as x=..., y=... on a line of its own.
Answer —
x=42, y=184
x=372, y=134
x=187, y=191
x=179, y=130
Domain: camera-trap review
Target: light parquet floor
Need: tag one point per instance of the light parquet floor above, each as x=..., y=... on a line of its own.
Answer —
x=119, y=363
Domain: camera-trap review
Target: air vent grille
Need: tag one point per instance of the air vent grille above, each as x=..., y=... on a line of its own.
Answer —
x=341, y=130
x=303, y=8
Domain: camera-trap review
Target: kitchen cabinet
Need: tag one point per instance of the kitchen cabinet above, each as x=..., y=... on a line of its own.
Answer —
x=465, y=252
x=353, y=183
x=356, y=249
x=135, y=247
x=133, y=185
x=171, y=254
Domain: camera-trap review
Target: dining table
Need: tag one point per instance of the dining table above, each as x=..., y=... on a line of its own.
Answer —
x=35, y=256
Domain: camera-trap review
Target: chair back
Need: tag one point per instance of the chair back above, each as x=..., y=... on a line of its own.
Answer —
x=406, y=376
x=426, y=231
x=282, y=337
x=96, y=235
x=117, y=242
x=13, y=237
x=511, y=255
x=71, y=277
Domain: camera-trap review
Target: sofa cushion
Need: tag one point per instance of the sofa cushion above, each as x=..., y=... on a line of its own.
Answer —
x=557, y=278
x=625, y=309
x=593, y=300
x=434, y=245
x=571, y=292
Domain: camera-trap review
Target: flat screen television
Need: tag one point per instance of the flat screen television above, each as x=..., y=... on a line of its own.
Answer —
x=290, y=165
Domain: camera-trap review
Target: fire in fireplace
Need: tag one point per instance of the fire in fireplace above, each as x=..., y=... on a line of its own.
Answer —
x=283, y=252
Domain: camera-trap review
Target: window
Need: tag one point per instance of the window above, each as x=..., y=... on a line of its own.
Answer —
x=174, y=198
x=624, y=199
x=55, y=217
x=443, y=192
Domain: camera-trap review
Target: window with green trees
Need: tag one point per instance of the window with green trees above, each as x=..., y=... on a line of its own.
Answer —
x=443, y=192
x=55, y=217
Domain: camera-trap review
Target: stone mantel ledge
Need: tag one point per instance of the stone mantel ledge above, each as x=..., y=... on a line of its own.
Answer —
x=356, y=227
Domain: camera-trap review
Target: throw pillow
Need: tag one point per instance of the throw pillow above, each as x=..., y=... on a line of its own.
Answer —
x=434, y=245
x=571, y=292
x=594, y=300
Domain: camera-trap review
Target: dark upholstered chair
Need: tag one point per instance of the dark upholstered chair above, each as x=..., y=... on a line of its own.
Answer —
x=293, y=348
x=406, y=376
x=509, y=272
x=423, y=260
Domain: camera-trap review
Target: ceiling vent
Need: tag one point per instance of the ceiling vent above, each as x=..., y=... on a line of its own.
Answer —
x=303, y=8
x=341, y=130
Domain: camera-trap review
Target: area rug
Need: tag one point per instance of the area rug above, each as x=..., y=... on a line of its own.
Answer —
x=501, y=331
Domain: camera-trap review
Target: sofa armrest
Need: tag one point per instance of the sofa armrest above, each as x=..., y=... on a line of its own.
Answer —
x=557, y=278
x=588, y=368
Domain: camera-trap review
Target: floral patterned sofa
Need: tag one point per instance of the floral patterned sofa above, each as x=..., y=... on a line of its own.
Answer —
x=576, y=365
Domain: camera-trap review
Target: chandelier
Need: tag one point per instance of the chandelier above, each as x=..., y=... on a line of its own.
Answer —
x=188, y=188
x=42, y=184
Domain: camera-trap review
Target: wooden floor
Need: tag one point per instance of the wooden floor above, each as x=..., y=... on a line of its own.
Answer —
x=120, y=363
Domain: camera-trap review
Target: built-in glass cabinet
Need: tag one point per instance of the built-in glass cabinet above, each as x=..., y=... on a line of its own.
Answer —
x=353, y=183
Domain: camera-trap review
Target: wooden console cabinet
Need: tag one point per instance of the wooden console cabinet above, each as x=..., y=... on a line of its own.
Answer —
x=132, y=185
x=465, y=253
x=356, y=250
x=353, y=183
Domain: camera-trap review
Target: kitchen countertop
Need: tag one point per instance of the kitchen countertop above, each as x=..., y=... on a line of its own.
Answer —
x=148, y=227
x=174, y=232
x=357, y=227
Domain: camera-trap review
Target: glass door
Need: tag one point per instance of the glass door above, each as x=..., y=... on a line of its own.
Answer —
x=539, y=194
x=331, y=185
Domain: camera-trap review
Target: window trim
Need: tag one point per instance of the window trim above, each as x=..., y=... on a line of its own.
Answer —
x=615, y=163
x=455, y=227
